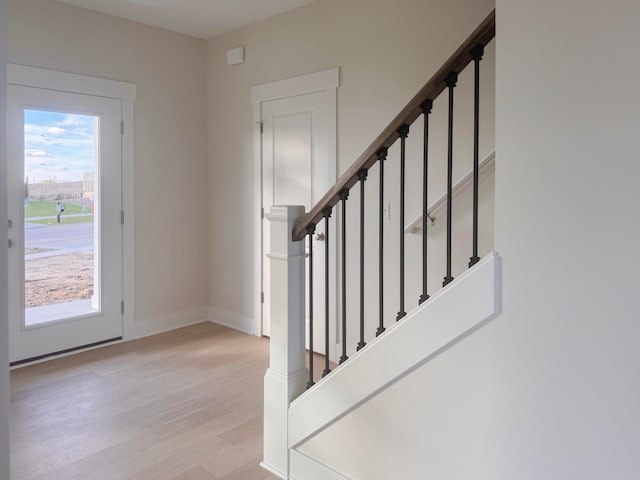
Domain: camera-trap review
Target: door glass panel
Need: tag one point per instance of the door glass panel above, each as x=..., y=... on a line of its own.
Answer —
x=60, y=257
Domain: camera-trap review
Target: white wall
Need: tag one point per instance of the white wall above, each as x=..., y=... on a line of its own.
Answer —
x=171, y=207
x=4, y=345
x=386, y=51
x=568, y=114
x=550, y=389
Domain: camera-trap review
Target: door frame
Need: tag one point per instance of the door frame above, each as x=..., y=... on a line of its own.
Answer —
x=36, y=77
x=324, y=81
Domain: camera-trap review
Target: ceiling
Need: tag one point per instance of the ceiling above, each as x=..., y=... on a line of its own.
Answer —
x=198, y=18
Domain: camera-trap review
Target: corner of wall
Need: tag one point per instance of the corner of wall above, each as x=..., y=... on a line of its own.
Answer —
x=234, y=320
x=162, y=323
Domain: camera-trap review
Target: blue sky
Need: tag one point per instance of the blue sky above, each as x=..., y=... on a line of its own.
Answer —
x=58, y=146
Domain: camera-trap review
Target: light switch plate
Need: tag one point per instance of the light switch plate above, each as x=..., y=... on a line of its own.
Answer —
x=386, y=211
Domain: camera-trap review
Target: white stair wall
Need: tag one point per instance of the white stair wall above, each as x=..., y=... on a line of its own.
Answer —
x=450, y=315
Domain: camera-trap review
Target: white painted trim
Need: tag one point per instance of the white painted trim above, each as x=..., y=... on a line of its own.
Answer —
x=447, y=317
x=273, y=471
x=125, y=92
x=279, y=214
x=462, y=186
x=287, y=375
x=327, y=81
x=233, y=320
x=145, y=327
x=303, y=467
x=69, y=82
x=302, y=85
x=4, y=314
x=258, y=212
x=277, y=256
x=128, y=229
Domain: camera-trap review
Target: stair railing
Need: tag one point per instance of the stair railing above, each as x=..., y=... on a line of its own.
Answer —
x=421, y=105
x=284, y=380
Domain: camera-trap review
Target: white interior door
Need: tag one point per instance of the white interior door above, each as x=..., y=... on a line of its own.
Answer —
x=65, y=255
x=297, y=170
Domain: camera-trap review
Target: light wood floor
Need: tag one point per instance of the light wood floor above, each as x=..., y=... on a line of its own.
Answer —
x=182, y=405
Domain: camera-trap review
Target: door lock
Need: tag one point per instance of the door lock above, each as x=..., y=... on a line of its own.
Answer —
x=10, y=223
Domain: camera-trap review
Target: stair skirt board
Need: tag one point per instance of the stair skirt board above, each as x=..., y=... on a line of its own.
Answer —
x=468, y=302
x=303, y=467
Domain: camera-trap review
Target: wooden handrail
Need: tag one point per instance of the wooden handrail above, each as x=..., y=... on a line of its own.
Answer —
x=434, y=87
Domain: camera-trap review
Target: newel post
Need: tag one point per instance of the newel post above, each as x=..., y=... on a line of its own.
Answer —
x=286, y=376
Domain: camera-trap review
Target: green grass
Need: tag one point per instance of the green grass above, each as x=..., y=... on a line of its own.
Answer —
x=64, y=220
x=48, y=209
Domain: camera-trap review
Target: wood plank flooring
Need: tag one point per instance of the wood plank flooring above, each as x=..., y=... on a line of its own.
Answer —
x=182, y=405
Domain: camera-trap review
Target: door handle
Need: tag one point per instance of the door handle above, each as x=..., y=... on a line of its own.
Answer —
x=319, y=237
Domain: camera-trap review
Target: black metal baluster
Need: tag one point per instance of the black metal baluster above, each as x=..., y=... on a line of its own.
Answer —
x=382, y=156
x=310, y=231
x=451, y=80
x=477, y=53
x=326, y=214
x=362, y=176
x=403, y=132
x=344, y=194
x=426, y=110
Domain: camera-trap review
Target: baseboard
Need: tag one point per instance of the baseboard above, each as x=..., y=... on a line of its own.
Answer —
x=304, y=467
x=170, y=321
x=232, y=320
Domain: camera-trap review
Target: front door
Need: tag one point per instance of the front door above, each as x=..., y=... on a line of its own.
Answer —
x=65, y=255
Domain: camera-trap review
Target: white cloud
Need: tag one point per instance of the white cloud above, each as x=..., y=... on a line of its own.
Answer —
x=32, y=152
x=70, y=120
x=55, y=131
x=30, y=128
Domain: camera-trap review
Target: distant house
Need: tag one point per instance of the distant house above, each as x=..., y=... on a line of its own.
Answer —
x=87, y=186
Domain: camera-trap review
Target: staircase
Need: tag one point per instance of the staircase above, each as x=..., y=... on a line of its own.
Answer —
x=318, y=425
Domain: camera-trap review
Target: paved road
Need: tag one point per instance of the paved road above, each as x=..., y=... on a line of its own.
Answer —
x=53, y=217
x=69, y=238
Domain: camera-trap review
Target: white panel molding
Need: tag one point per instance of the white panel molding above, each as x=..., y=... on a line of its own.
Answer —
x=304, y=467
x=286, y=376
x=163, y=323
x=233, y=320
x=460, y=188
x=448, y=316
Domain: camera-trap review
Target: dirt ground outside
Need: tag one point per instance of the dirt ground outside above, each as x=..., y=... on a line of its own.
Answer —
x=58, y=279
